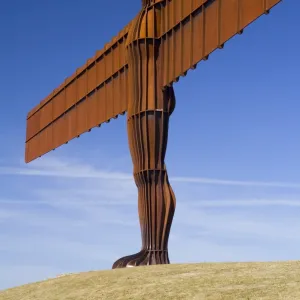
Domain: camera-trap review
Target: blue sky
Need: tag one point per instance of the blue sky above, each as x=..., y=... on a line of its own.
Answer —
x=233, y=154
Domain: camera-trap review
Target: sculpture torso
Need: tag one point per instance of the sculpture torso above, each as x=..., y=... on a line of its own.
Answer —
x=144, y=59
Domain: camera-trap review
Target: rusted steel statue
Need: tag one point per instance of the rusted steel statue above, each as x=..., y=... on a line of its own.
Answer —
x=134, y=73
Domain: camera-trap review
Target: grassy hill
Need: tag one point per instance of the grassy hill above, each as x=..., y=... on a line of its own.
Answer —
x=278, y=280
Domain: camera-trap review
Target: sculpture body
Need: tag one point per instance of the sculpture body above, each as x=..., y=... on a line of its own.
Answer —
x=134, y=73
x=149, y=109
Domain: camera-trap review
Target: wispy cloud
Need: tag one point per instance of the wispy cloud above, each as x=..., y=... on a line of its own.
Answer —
x=66, y=169
x=248, y=203
x=236, y=182
x=110, y=202
x=76, y=225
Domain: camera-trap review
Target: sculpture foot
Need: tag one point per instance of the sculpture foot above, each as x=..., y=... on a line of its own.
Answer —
x=143, y=258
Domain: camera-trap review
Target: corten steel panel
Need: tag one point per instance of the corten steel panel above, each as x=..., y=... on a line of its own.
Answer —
x=39, y=142
x=37, y=122
x=92, y=71
x=30, y=149
x=71, y=125
x=116, y=96
x=124, y=90
x=82, y=117
x=93, y=110
x=48, y=141
x=31, y=128
x=57, y=132
x=35, y=146
x=42, y=142
x=46, y=114
x=81, y=86
x=62, y=127
x=100, y=66
x=101, y=104
x=71, y=94
x=116, y=56
x=108, y=98
x=59, y=104
x=108, y=64
x=208, y=26
x=33, y=125
x=59, y=136
x=122, y=52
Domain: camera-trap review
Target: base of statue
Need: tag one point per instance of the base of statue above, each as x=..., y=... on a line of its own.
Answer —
x=143, y=258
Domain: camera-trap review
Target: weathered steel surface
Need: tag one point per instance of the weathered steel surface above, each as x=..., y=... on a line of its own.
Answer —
x=165, y=40
x=149, y=109
x=189, y=30
x=106, y=102
x=195, y=28
x=97, y=90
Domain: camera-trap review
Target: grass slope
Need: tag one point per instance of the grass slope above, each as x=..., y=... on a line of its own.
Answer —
x=278, y=280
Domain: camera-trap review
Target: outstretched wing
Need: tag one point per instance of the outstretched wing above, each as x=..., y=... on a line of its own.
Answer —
x=195, y=28
x=96, y=93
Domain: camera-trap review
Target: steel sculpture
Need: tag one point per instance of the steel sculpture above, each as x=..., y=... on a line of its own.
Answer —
x=135, y=73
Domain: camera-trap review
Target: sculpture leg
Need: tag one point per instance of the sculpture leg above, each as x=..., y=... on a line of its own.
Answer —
x=148, y=135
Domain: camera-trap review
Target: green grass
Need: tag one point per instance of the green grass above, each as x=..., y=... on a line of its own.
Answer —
x=274, y=280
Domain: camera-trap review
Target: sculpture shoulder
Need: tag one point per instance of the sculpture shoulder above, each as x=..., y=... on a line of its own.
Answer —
x=136, y=28
x=145, y=25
